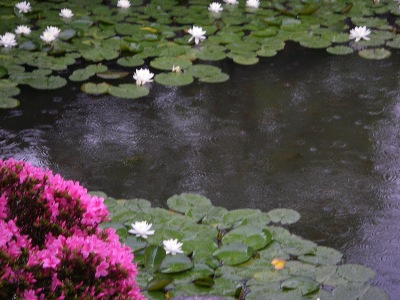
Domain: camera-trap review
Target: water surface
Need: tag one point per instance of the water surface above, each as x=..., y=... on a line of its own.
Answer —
x=304, y=130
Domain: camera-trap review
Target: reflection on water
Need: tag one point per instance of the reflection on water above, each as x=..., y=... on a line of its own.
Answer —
x=308, y=131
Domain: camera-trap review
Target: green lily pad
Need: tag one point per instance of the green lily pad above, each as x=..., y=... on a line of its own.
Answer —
x=323, y=256
x=249, y=235
x=173, y=79
x=3, y=71
x=175, y=263
x=67, y=34
x=216, y=78
x=235, y=217
x=135, y=243
x=158, y=283
x=201, y=71
x=95, y=88
x=284, y=216
x=244, y=59
x=112, y=75
x=166, y=63
x=339, y=50
x=130, y=61
x=8, y=103
x=234, y=253
x=184, y=202
x=377, y=54
x=305, y=285
x=128, y=91
x=355, y=273
x=8, y=90
x=153, y=258
x=47, y=83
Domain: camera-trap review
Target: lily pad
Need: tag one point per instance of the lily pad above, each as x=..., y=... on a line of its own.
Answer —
x=130, y=61
x=234, y=253
x=128, y=91
x=356, y=273
x=173, y=79
x=153, y=258
x=284, y=216
x=323, y=256
x=221, y=77
x=95, y=88
x=184, y=202
x=47, y=83
x=249, y=235
x=112, y=75
x=339, y=50
x=176, y=263
x=305, y=285
x=166, y=63
x=377, y=54
x=8, y=103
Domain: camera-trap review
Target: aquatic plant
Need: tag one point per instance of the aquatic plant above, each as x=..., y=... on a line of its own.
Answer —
x=51, y=245
x=138, y=34
x=233, y=254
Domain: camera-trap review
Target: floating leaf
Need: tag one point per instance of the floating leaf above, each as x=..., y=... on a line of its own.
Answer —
x=130, y=61
x=340, y=50
x=166, y=63
x=112, y=75
x=128, y=91
x=216, y=78
x=184, y=202
x=378, y=54
x=153, y=257
x=234, y=253
x=323, y=256
x=8, y=103
x=356, y=273
x=284, y=216
x=95, y=88
x=176, y=263
x=305, y=285
x=47, y=83
x=135, y=243
x=158, y=283
x=3, y=71
x=249, y=235
x=173, y=79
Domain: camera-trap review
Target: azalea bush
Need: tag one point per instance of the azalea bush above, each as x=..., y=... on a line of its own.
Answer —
x=51, y=245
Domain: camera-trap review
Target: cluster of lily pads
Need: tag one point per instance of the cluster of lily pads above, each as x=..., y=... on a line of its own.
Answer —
x=236, y=254
x=102, y=42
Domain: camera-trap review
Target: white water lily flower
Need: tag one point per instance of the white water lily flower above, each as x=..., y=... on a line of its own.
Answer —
x=141, y=229
x=8, y=40
x=23, y=7
x=22, y=29
x=142, y=76
x=66, y=13
x=359, y=33
x=197, y=34
x=231, y=2
x=176, y=69
x=253, y=3
x=53, y=30
x=124, y=3
x=48, y=36
x=215, y=7
x=172, y=246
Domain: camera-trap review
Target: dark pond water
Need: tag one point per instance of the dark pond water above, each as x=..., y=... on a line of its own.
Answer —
x=304, y=130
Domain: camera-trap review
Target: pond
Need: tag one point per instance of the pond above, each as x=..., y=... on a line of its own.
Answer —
x=303, y=130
